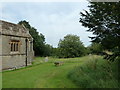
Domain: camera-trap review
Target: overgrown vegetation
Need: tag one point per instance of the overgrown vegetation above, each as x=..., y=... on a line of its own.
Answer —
x=96, y=73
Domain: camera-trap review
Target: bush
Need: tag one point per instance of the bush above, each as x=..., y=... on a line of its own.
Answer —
x=95, y=73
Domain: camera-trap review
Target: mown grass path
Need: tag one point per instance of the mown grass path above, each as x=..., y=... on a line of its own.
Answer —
x=43, y=75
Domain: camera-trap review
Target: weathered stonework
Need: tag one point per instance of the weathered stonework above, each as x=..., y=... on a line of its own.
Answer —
x=19, y=58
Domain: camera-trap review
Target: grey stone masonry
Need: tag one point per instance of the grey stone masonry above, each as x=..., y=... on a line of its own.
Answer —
x=16, y=46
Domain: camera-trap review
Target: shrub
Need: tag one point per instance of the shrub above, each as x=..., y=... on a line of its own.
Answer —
x=95, y=73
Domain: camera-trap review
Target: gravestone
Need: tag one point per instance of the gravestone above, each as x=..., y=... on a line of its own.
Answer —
x=46, y=59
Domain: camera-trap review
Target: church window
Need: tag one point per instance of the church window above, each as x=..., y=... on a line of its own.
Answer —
x=14, y=45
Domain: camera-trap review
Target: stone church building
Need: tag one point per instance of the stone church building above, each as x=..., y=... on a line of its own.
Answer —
x=16, y=46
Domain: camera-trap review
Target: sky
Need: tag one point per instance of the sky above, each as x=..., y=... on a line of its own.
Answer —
x=53, y=19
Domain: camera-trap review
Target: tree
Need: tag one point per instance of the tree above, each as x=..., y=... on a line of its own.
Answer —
x=38, y=39
x=103, y=19
x=48, y=50
x=55, y=52
x=71, y=46
x=96, y=48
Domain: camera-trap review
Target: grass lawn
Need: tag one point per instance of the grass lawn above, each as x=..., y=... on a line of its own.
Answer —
x=88, y=72
x=42, y=74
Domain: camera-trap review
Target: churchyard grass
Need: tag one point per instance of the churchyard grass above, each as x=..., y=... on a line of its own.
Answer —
x=42, y=74
x=46, y=75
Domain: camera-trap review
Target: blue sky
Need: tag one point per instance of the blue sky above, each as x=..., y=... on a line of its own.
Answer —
x=53, y=19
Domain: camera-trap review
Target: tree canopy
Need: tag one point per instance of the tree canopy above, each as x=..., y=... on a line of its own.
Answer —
x=103, y=19
x=70, y=46
x=38, y=39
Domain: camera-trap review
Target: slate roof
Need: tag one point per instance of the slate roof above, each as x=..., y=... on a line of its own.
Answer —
x=8, y=28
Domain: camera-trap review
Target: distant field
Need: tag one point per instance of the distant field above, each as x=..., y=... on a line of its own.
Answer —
x=45, y=74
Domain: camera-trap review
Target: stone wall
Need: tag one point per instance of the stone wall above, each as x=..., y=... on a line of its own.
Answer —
x=12, y=62
x=15, y=59
x=6, y=49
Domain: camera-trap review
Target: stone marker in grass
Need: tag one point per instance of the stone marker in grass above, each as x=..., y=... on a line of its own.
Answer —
x=46, y=59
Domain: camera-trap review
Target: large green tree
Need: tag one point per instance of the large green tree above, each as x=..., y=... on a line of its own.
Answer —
x=38, y=39
x=103, y=19
x=71, y=46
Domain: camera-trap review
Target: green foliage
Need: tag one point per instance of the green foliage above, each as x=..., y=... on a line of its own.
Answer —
x=55, y=52
x=95, y=48
x=103, y=19
x=48, y=50
x=71, y=46
x=95, y=73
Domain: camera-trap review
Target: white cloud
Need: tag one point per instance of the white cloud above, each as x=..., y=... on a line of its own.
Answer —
x=54, y=20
